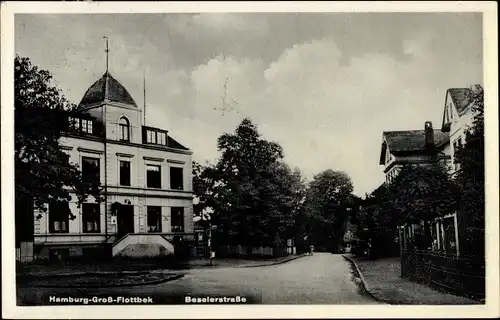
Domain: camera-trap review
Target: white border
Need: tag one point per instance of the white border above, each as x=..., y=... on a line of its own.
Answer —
x=491, y=309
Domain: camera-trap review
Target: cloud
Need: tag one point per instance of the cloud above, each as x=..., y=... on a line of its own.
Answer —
x=324, y=88
x=224, y=22
x=325, y=113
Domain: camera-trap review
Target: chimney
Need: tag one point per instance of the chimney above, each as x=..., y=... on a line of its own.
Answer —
x=429, y=136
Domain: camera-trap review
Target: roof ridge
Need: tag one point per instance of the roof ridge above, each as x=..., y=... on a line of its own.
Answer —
x=106, y=83
x=410, y=130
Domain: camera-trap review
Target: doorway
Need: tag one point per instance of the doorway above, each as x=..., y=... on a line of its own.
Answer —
x=125, y=220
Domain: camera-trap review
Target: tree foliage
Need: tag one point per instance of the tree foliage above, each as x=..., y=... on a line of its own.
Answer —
x=470, y=156
x=378, y=221
x=329, y=199
x=422, y=192
x=255, y=196
x=43, y=172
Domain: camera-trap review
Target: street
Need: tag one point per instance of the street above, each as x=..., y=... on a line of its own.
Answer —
x=320, y=279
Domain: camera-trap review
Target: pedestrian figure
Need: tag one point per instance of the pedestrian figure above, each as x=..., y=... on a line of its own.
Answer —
x=311, y=250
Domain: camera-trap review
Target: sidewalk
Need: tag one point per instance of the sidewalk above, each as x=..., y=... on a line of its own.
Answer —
x=382, y=279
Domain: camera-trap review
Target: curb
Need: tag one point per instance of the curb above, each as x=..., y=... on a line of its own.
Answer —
x=167, y=279
x=365, y=284
x=89, y=273
x=271, y=263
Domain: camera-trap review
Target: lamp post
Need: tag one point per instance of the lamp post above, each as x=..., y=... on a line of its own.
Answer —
x=206, y=216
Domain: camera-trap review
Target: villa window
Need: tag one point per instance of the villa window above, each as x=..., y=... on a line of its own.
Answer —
x=124, y=129
x=59, y=217
x=176, y=178
x=161, y=138
x=90, y=169
x=153, y=176
x=125, y=173
x=154, y=136
x=91, y=218
x=74, y=123
x=81, y=125
x=154, y=219
x=87, y=126
x=177, y=219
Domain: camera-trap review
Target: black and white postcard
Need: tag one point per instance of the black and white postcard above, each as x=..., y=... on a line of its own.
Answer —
x=252, y=159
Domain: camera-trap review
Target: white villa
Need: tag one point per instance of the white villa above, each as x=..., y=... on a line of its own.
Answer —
x=146, y=176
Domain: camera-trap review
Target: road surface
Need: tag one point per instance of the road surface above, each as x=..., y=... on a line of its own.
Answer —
x=320, y=279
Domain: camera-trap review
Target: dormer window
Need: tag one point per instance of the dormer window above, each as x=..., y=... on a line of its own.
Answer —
x=124, y=129
x=81, y=125
x=154, y=136
x=87, y=126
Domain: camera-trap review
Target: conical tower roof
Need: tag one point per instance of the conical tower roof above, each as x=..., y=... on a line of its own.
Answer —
x=106, y=89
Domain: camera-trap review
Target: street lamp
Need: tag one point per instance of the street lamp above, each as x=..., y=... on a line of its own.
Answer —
x=206, y=216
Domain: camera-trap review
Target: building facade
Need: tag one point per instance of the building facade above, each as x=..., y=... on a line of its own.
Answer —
x=412, y=147
x=147, y=200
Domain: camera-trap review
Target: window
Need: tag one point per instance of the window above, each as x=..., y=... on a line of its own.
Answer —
x=90, y=169
x=87, y=126
x=457, y=144
x=124, y=129
x=124, y=173
x=74, y=123
x=59, y=217
x=153, y=176
x=77, y=124
x=176, y=179
x=154, y=219
x=162, y=138
x=91, y=218
x=151, y=137
x=155, y=137
x=177, y=219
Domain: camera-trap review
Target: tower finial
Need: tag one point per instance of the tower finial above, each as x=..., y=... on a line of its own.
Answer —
x=144, y=87
x=107, y=53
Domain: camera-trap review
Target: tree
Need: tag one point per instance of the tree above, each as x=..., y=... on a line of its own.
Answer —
x=422, y=193
x=470, y=177
x=254, y=194
x=378, y=222
x=470, y=156
x=42, y=170
x=202, y=186
x=328, y=198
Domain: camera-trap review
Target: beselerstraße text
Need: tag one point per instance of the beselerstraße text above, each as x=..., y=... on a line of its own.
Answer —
x=208, y=299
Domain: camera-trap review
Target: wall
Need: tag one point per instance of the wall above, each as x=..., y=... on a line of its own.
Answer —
x=113, y=113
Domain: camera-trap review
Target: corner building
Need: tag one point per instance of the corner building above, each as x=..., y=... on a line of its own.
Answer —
x=146, y=177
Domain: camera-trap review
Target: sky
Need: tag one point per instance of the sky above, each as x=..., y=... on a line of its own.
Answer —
x=323, y=85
